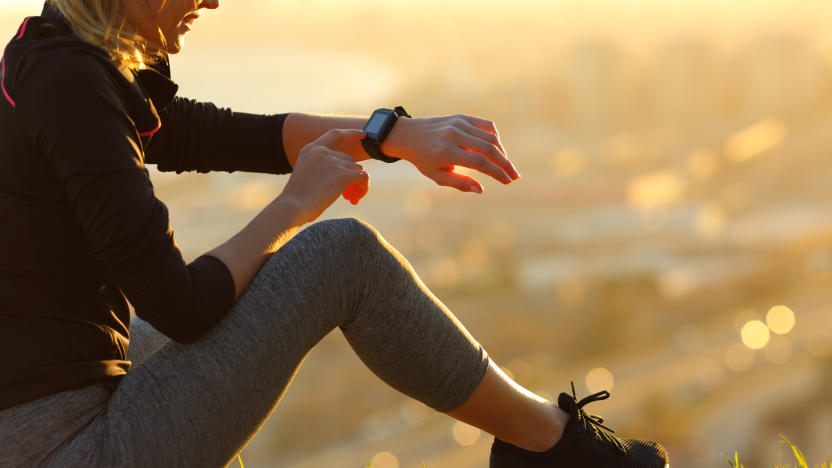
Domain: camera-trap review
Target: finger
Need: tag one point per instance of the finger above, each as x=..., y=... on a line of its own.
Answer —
x=490, y=138
x=349, y=193
x=337, y=136
x=486, y=125
x=449, y=178
x=345, y=161
x=490, y=151
x=480, y=163
x=483, y=135
x=359, y=186
x=361, y=190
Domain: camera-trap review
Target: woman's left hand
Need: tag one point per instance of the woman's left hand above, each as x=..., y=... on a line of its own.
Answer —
x=437, y=145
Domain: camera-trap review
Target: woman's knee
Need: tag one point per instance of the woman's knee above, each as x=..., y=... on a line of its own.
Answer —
x=350, y=233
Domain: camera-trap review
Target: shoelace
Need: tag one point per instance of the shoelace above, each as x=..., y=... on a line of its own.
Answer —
x=594, y=424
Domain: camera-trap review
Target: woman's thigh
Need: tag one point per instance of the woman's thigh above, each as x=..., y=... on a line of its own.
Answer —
x=198, y=404
x=144, y=341
x=37, y=432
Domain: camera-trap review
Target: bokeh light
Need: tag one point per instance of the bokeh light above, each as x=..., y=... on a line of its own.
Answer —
x=738, y=358
x=755, y=140
x=755, y=334
x=780, y=319
x=655, y=189
x=466, y=435
x=414, y=412
x=599, y=379
x=384, y=460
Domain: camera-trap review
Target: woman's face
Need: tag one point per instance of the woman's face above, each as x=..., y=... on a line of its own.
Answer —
x=165, y=22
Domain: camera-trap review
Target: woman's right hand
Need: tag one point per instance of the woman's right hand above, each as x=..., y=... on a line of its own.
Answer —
x=321, y=174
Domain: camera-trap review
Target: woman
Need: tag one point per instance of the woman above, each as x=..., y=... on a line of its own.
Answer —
x=87, y=101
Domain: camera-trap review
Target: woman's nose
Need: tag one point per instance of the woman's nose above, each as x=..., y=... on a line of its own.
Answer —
x=209, y=4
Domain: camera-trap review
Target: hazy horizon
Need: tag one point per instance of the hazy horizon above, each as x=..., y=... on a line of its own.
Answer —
x=676, y=189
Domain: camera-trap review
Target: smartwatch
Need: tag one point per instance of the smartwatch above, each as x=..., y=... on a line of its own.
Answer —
x=377, y=129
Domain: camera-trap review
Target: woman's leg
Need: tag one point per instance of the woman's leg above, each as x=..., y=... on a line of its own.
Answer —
x=144, y=341
x=198, y=404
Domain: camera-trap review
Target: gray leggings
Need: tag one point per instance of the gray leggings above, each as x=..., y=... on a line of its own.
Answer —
x=199, y=404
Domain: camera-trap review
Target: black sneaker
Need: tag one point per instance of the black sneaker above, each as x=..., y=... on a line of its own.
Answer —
x=586, y=443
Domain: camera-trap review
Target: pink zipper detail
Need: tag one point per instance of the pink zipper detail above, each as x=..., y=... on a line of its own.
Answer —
x=3, y=83
x=151, y=132
x=23, y=27
x=22, y=30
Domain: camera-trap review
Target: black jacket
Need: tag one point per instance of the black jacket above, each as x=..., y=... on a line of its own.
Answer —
x=82, y=231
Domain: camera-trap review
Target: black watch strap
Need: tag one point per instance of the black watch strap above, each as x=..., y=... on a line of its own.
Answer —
x=373, y=147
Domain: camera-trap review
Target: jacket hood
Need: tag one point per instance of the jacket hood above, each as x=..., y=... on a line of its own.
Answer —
x=50, y=35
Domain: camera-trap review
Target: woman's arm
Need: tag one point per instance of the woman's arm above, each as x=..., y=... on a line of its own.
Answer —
x=199, y=136
x=320, y=175
x=434, y=145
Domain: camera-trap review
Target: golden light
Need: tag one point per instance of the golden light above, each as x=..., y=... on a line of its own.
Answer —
x=755, y=140
x=710, y=221
x=384, y=460
x=465, y=435
x=599, y=379
x=780, y=319
x=738, y=358
x=655, y=189
x=567, y=163
x=755, y=334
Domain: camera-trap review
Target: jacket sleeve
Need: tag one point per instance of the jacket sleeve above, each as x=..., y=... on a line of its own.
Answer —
x=73, y=110
x=198, y=136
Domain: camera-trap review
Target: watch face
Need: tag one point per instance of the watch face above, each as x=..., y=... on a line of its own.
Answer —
x=378, y=124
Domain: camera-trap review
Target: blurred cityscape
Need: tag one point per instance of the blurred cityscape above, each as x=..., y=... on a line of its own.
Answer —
x=670, y=239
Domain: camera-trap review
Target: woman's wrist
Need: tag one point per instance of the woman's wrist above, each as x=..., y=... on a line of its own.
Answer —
x=289, y=210
x=395, y=144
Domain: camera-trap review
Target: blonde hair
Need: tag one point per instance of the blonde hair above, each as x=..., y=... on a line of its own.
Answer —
x=102, y=23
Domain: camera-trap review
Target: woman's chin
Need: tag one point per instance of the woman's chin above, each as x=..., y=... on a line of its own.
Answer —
x=174, y=47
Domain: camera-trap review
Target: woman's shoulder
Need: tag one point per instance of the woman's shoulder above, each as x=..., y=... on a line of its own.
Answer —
x=37, y=63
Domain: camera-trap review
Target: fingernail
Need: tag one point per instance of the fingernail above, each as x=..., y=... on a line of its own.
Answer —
x=476, y=189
